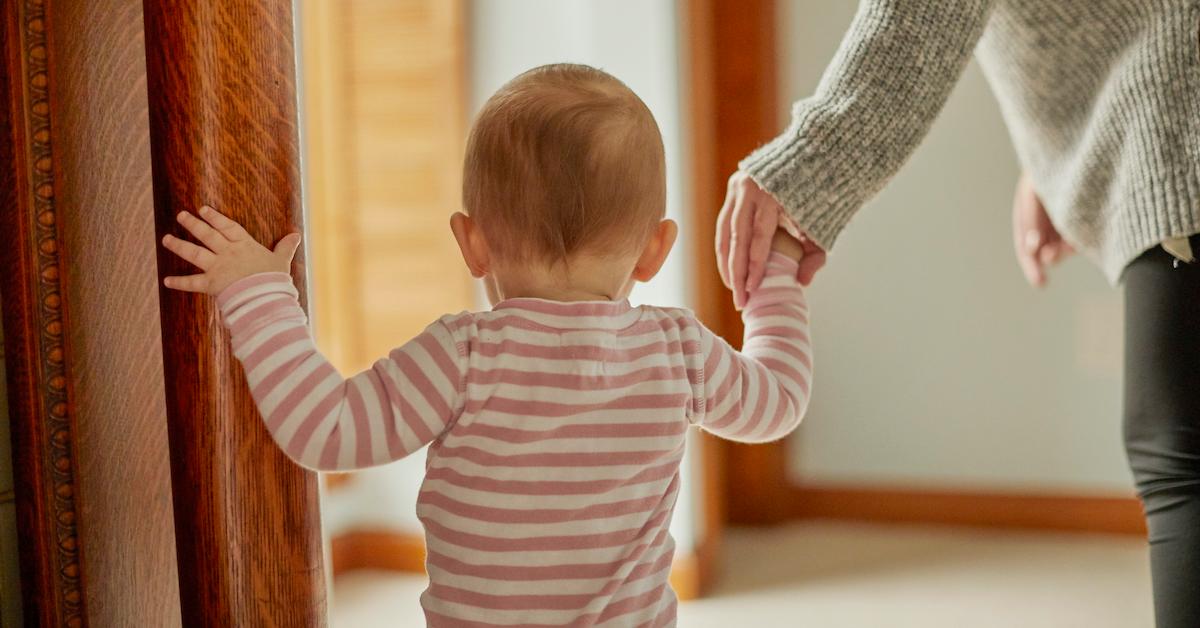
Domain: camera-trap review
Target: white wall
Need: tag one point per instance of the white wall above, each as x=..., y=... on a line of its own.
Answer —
x=635, y=40
x=935, y=363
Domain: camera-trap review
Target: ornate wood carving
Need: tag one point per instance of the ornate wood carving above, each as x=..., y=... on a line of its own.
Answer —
x=103, y=196
x=34, y=322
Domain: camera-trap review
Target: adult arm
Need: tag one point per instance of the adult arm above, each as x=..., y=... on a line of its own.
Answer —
x=888, y=81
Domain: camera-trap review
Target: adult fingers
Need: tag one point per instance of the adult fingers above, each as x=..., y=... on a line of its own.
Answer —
x=739, y=245
x=228, y=227
x=1054, y=252
x=1026, y=243
x=1030, y=266
x=766, y=221
x=202, y=231
x=188, y=283
x=196, y=255
x=723, y=227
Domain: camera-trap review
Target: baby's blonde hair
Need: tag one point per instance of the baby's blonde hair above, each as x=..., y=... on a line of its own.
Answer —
x=564, y=159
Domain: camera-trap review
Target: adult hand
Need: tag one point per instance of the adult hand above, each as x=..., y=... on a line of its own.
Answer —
x=1038, y=244
x=745, y=229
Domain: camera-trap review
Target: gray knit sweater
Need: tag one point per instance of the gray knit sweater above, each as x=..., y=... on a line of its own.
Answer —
x=1101, y=97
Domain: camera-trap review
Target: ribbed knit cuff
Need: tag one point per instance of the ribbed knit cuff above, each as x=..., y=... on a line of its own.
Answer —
x=815, y=202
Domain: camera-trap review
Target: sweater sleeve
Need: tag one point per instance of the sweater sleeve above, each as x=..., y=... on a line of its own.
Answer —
x=322, y=420
x=760, y=393
x=876, y=101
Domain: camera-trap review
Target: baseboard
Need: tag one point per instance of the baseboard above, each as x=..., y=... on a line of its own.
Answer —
x=686, y=576
x=373, y=549
x=405, y=552
x=336, y=480
x=1067, y=513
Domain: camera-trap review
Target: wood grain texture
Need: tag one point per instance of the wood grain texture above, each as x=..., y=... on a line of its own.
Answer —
x=223, y=126
x=740, y=47
x=37, y=352
x=106, y=210
x=1025, y=511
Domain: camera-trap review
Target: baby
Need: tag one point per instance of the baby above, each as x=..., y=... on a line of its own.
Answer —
x=555, y=421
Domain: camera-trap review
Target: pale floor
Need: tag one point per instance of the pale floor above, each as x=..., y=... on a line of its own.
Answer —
x=836, y=575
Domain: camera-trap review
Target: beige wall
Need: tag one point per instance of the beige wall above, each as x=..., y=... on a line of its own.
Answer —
x=10, y=581
x=935, y=363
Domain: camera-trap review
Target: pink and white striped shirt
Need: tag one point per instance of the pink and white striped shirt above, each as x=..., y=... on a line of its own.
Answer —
x=555, y=434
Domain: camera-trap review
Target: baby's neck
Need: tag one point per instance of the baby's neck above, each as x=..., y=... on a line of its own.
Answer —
x=581, y=280
x=565, y=295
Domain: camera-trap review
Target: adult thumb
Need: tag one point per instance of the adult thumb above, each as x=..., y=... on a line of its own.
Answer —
x=287, y=246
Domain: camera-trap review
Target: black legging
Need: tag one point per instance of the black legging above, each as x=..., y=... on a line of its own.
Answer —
x=1162, y=423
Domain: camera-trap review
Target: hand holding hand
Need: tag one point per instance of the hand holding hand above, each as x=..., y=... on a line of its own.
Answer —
x=746, y=228
x=228, y=254
x=788, y=245
x=1037, y=242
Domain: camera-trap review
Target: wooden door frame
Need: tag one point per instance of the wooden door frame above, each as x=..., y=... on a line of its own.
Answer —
x=37, y=355
x=740, y=50
x=247, y=515
x=731, y=47
x=224, y=131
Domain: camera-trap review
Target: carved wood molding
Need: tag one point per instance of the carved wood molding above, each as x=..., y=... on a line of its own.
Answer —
x=34, y=319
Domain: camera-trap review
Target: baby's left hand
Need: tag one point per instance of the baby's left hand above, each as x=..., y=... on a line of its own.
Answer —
x=228, y=254
x=787, y=244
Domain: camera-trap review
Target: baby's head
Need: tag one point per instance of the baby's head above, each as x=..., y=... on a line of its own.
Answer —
x=564, y=188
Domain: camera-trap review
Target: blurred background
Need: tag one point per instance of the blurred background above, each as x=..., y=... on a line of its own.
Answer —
x=961, y=462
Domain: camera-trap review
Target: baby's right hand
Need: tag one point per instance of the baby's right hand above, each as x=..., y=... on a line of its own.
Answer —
x=228, y=254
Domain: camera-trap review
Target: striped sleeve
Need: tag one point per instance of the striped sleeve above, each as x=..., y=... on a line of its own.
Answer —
x=760, y=393
x=320, y=419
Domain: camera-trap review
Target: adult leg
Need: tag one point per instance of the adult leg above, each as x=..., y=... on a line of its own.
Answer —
x=1162, y=424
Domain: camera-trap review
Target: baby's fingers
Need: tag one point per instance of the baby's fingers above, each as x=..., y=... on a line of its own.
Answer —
x=813, y=260
x=229, y=228
x=197, y=255
x=766, y=220
x=286, y=248
x=203, y=231
x=189, y=283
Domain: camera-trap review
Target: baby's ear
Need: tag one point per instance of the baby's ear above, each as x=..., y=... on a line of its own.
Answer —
x=655, y=252
x=471, y=243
